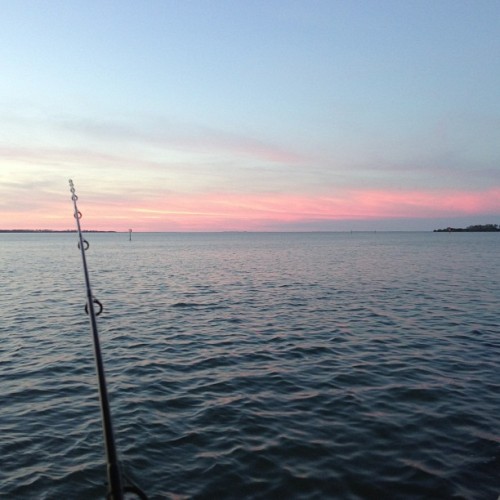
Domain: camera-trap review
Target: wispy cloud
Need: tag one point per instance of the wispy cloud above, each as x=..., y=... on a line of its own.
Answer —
x=161, y=175
x=226, y=211
x=190, y=138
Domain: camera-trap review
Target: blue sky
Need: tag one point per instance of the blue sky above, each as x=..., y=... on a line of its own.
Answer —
x=208, y=115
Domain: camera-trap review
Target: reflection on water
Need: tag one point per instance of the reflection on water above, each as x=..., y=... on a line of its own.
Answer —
x=254, y=365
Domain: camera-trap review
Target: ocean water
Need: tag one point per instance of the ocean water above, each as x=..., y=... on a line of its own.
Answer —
x=243, y=365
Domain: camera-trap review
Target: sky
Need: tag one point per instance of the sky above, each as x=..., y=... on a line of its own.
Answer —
x=255, y=115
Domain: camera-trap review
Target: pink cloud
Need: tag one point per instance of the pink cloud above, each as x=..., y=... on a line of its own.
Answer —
x=230, y=211
x=187, y=138
x=413, y=203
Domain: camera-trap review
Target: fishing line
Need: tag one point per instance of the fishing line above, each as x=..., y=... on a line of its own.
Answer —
x=93, y=307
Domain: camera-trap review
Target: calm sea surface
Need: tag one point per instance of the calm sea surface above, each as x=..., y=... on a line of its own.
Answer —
x=242, y=365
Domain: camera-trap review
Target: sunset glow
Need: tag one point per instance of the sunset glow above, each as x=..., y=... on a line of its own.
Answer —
x=226, y=211
x=185, y=116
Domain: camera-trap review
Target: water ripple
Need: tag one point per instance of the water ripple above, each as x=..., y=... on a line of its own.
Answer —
x=255, y=366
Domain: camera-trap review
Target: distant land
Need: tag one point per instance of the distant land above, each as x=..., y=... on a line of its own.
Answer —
x=52, y=231
x=486, y=228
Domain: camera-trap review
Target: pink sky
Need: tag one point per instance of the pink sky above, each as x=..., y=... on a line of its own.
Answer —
x=263, y=116
x=227, y=211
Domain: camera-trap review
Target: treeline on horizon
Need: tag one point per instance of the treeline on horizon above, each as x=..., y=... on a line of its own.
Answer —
x=470, y=229
x=52, y=231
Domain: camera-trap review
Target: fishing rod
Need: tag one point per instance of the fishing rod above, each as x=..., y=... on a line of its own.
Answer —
x=116, y=487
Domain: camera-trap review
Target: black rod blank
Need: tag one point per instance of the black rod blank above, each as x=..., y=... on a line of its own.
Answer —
x=115, y=485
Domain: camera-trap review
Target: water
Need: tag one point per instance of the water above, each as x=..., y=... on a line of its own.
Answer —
x=322, y=365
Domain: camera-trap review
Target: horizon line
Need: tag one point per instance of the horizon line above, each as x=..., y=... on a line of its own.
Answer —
x=219, y=231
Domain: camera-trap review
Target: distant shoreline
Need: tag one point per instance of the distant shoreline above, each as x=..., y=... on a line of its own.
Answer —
x=52, y=231
x=486, y=228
